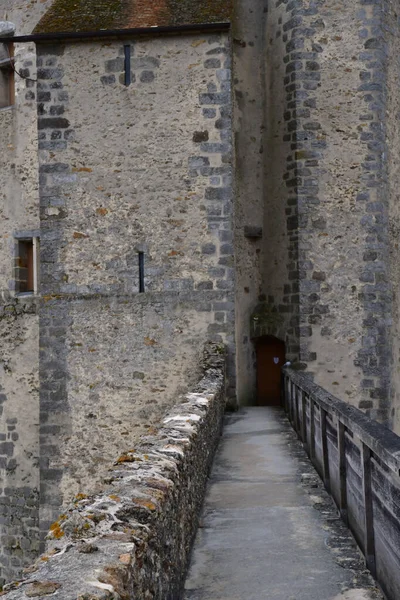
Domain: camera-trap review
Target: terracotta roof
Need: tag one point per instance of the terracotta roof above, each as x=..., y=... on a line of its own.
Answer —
x=93, y=15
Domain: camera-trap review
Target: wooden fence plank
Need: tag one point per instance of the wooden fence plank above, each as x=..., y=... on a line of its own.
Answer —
x=341, y=435
x=369, y=539
x=303, y=418
x=325, y=455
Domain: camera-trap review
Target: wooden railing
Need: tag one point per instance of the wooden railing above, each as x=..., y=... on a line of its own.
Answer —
x=359, y=462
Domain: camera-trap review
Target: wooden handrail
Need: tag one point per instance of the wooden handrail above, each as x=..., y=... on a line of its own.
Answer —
x=382, y=442
x=375, y=443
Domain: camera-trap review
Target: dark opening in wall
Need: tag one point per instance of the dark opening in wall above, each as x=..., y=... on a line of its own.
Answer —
x=141, y=272
x=26, y=266
x=6, y=75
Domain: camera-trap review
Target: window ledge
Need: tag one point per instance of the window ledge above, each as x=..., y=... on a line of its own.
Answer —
x=26, y=295
x=6, y=108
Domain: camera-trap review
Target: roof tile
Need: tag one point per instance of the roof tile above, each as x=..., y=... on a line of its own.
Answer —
x=95, y=15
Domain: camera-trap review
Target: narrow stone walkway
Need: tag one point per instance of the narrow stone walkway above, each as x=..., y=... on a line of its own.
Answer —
x=269, y=531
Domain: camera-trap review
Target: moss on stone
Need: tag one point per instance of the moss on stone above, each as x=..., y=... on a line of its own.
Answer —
x=79, y=15
x=94, y=15
x=199, y=11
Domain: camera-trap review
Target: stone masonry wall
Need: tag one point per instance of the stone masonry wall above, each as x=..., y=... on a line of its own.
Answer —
x=19, y=414
x=248, y=31
x=133, y=539
x=335, y=199
x=19, y=351
x=128, y=169
x=390, y=47
x=280, y=284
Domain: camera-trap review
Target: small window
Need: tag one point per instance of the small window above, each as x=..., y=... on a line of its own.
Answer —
x=26, y=268
x=6, y=75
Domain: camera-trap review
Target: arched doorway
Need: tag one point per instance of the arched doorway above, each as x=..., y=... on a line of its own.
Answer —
x=270, y=360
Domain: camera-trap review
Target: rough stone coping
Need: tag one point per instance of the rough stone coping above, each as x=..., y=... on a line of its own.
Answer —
x=7, y=28
x=133, y=540
x=383, y=442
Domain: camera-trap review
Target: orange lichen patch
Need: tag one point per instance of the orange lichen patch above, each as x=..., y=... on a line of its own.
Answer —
x=82, y=170
x=49, y=297
x=56, y=530
x=175, y=253
x=126, y=458
x=102, y=211
x=149, y=342
x=145, y=503
x=78, y=235
x=115, y=498
x=80, y=497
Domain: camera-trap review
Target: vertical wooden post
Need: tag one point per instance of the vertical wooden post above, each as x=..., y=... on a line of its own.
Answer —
x=282, y=394
x=341, y=437
x=369, y=543
x=325, y=455
x=291, y=387
x=312, y=428
x=285, y=393
x=295, y=409
x=303, y=418
x=298, y=423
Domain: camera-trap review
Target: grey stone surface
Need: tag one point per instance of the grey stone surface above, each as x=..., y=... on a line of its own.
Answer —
x=268, y=529
x=132, y=541
x=7, y=28
x=154, y=198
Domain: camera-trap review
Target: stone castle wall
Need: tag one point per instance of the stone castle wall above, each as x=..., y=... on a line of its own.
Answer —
x=390, y=48
x=128, y=169
x=248, y=33
x=19, y=348
x=328, y=193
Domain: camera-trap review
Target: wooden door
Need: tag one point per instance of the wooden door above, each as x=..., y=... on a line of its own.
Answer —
x=270, y=360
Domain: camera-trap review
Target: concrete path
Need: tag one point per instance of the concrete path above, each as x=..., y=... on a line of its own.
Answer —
x=269, y=531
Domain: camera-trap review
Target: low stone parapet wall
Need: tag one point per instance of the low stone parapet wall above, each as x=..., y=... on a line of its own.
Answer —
x=359, y=462
x=133, y=541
